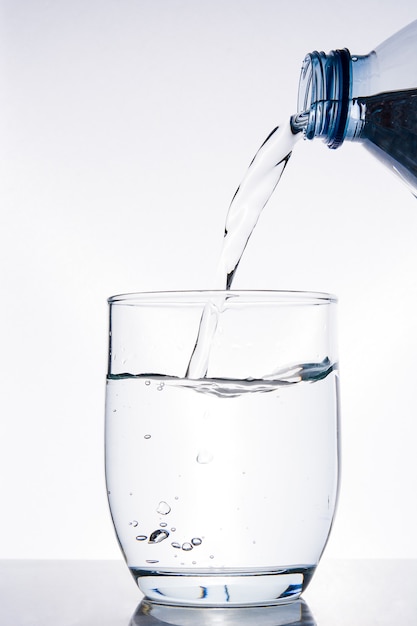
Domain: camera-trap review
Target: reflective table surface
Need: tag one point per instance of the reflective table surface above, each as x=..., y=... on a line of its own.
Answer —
x=103, y=593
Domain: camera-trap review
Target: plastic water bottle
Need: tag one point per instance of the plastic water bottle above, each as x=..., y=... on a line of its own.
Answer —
x=371, y=99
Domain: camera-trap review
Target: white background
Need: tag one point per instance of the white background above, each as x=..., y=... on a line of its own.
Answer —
x=125, y=127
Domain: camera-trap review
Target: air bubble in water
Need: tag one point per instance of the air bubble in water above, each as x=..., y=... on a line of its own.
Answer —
x=204, y=457
x=158, y=535
x=196, y=541
x=163, y=508
x=141, y=538
x=187, y=547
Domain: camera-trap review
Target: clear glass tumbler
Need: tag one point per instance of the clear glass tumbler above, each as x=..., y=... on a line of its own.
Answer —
x=222, y=476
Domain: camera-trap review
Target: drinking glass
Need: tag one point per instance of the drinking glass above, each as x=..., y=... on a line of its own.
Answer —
x=222, y=459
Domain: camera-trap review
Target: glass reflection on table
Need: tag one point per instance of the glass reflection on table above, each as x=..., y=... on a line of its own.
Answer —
x=152, y=614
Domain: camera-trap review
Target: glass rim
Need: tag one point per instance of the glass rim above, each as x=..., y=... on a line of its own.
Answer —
x=249, y=296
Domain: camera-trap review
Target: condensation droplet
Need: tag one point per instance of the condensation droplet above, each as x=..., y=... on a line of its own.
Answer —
x=196, y=541
x=204, y=457
x=151, y=561
x=160, y=386
x=133, y=523
x=163, y=524
x=163, y=508
x=147, y=436
x=147, y=382
x=114, y=410
x=173, y=529
x=194, y=562
x=187, y=547
x=158, y=535
x=212, y=556
x=141, y=538
x=174, y=544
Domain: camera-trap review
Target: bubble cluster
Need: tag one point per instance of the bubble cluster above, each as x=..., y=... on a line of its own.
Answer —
x=188, y=546
x=161, y=533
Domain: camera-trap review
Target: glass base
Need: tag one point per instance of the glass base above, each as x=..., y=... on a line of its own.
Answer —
x=225, y=587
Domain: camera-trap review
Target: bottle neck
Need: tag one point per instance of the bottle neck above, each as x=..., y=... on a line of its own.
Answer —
x=324, y=98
